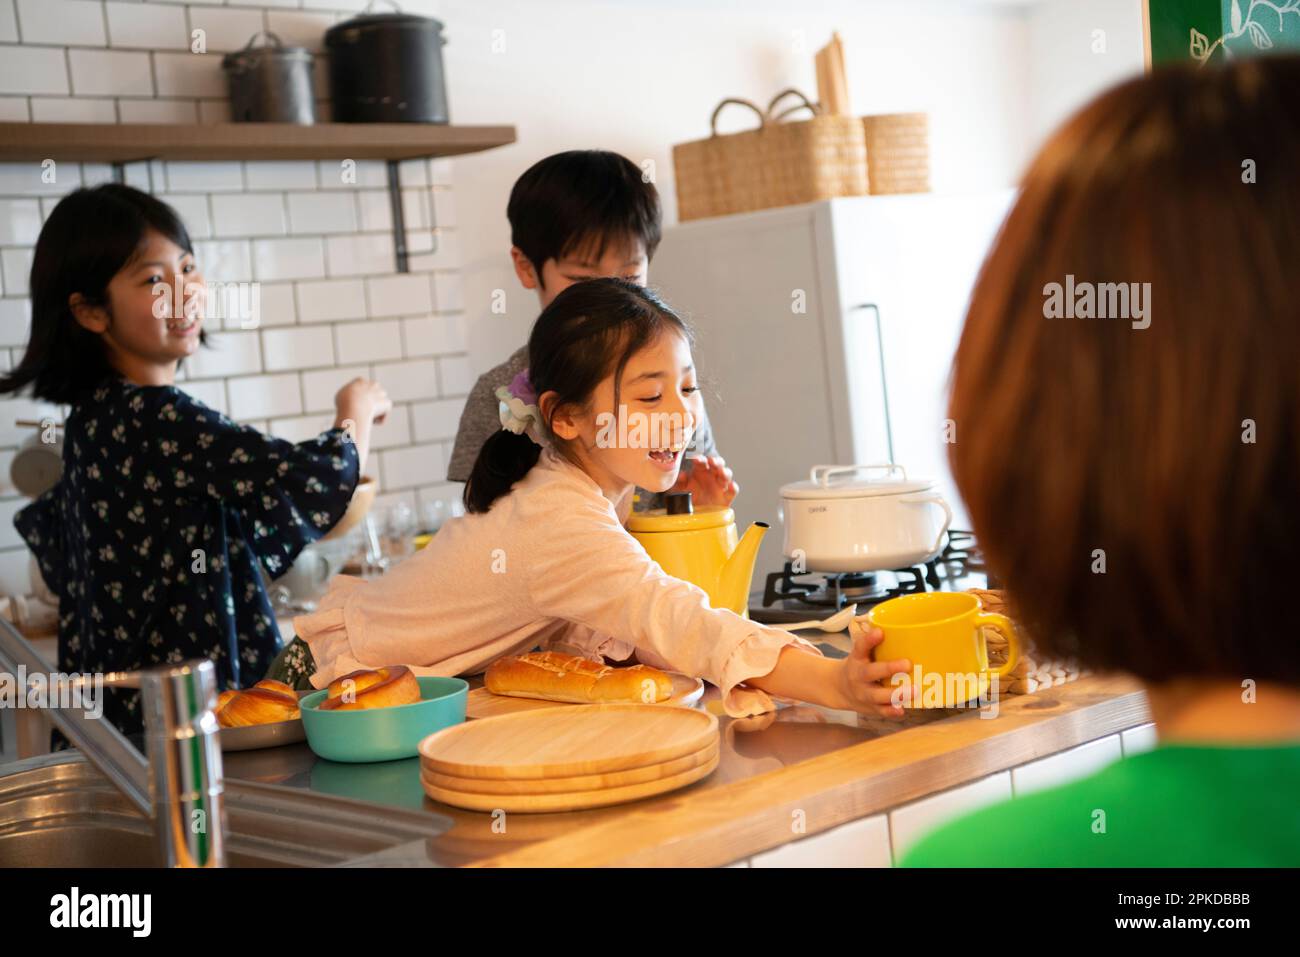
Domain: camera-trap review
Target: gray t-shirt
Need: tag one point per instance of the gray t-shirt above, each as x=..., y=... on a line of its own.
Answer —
x=482, y=416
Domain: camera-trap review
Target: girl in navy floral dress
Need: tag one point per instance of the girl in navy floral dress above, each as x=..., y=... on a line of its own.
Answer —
x=166, y=509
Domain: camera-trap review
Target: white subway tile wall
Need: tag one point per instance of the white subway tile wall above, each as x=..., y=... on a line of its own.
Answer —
x=331, y=299
x=70, y=23
x=313, y=234
x=225, y=29
x=145, y=26
x=369, y=341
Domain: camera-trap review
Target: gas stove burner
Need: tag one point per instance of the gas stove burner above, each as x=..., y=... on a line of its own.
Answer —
x=840, y=590
x=845, y=588
x=960, y=559
x=961, y=550
x=855, y=585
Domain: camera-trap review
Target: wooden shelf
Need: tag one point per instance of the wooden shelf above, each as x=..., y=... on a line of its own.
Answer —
x=120, y=143
x=133, y=142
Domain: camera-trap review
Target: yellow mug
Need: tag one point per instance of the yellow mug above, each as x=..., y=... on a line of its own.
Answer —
x=939, y=632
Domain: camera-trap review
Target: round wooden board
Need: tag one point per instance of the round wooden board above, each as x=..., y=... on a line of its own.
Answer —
x=567, y=742
x=484, y=704
x=570, y=801
x=586, y=782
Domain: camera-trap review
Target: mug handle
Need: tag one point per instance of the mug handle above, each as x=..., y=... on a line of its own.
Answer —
x=1002, y=623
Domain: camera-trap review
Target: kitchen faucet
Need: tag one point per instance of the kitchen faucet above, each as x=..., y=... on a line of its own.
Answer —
x=177, y=783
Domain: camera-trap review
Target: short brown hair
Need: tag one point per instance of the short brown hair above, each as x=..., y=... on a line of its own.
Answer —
x=1171, y=453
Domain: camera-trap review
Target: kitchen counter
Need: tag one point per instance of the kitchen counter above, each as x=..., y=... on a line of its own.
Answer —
x=826, y=767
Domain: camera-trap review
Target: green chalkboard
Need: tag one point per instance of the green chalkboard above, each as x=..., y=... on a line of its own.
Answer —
x=1208, y=31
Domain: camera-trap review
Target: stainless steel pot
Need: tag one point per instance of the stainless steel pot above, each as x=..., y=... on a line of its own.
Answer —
x=387, y=68
x=270, y=83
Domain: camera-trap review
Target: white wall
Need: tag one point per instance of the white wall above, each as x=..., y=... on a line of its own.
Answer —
x=637, y=76
x=1067, y=66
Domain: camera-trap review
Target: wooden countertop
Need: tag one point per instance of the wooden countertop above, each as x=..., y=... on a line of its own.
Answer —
x=706, y=826
x=833, y=766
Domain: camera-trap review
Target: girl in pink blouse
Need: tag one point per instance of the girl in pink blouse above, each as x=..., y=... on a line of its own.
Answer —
x=542, y=558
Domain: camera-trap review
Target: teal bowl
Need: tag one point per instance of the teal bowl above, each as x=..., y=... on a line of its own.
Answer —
x=384, y=734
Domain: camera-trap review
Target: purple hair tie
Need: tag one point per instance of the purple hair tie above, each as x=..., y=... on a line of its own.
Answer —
x=521, y=387
x=519, y=412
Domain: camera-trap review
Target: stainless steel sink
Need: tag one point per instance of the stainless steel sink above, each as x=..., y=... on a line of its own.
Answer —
x=59, y=811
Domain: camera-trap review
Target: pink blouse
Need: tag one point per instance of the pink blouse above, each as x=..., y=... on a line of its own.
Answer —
x=552, y=565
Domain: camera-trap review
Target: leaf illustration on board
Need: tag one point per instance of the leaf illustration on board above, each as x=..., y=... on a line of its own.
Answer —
x=1236, y=16
x=1259, y=36
x=1200, y=44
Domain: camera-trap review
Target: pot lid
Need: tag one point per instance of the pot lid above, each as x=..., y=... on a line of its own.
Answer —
x=855, y=481
x=273, y=47
x=385, y=18
x=680, y=514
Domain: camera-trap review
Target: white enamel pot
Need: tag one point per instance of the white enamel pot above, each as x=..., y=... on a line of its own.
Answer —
x=862, y=518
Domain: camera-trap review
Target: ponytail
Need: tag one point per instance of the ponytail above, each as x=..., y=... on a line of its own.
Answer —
x=504, y=459
x=588, y=331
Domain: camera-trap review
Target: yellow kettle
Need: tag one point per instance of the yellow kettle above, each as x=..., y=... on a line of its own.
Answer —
x=699, y=545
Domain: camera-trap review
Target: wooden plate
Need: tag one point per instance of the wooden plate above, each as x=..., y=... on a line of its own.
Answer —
x=570, y=801
x=585, y=782
x=567, y=742
x=484, y=704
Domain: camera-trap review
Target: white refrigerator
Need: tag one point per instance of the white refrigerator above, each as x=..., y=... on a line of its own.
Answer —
x=825, y=335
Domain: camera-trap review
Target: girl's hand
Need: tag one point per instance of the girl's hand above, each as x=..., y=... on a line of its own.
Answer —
x=859, y=675
x=363, y=401
x=708, y=480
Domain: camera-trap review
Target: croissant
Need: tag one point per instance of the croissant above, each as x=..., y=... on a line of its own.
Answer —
x=264, y=703
x=380, y=688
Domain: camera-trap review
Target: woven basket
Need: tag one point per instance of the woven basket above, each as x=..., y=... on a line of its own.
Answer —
x=898, y=152
x=778, y=164
x=1033, y=672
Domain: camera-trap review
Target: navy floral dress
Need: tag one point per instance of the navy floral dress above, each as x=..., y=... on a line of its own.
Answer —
x=153, y=537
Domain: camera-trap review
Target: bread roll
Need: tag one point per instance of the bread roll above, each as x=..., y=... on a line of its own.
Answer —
x=553, y=676
x=258, y=705
x=271, y=684
x=380, y=688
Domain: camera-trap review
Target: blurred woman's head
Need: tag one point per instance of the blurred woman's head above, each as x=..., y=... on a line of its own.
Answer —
x=1135, y=480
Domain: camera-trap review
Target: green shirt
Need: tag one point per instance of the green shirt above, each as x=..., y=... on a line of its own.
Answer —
x=1177, y=806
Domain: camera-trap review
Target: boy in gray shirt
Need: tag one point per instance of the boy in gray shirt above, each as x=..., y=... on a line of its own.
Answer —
x=583, y=214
